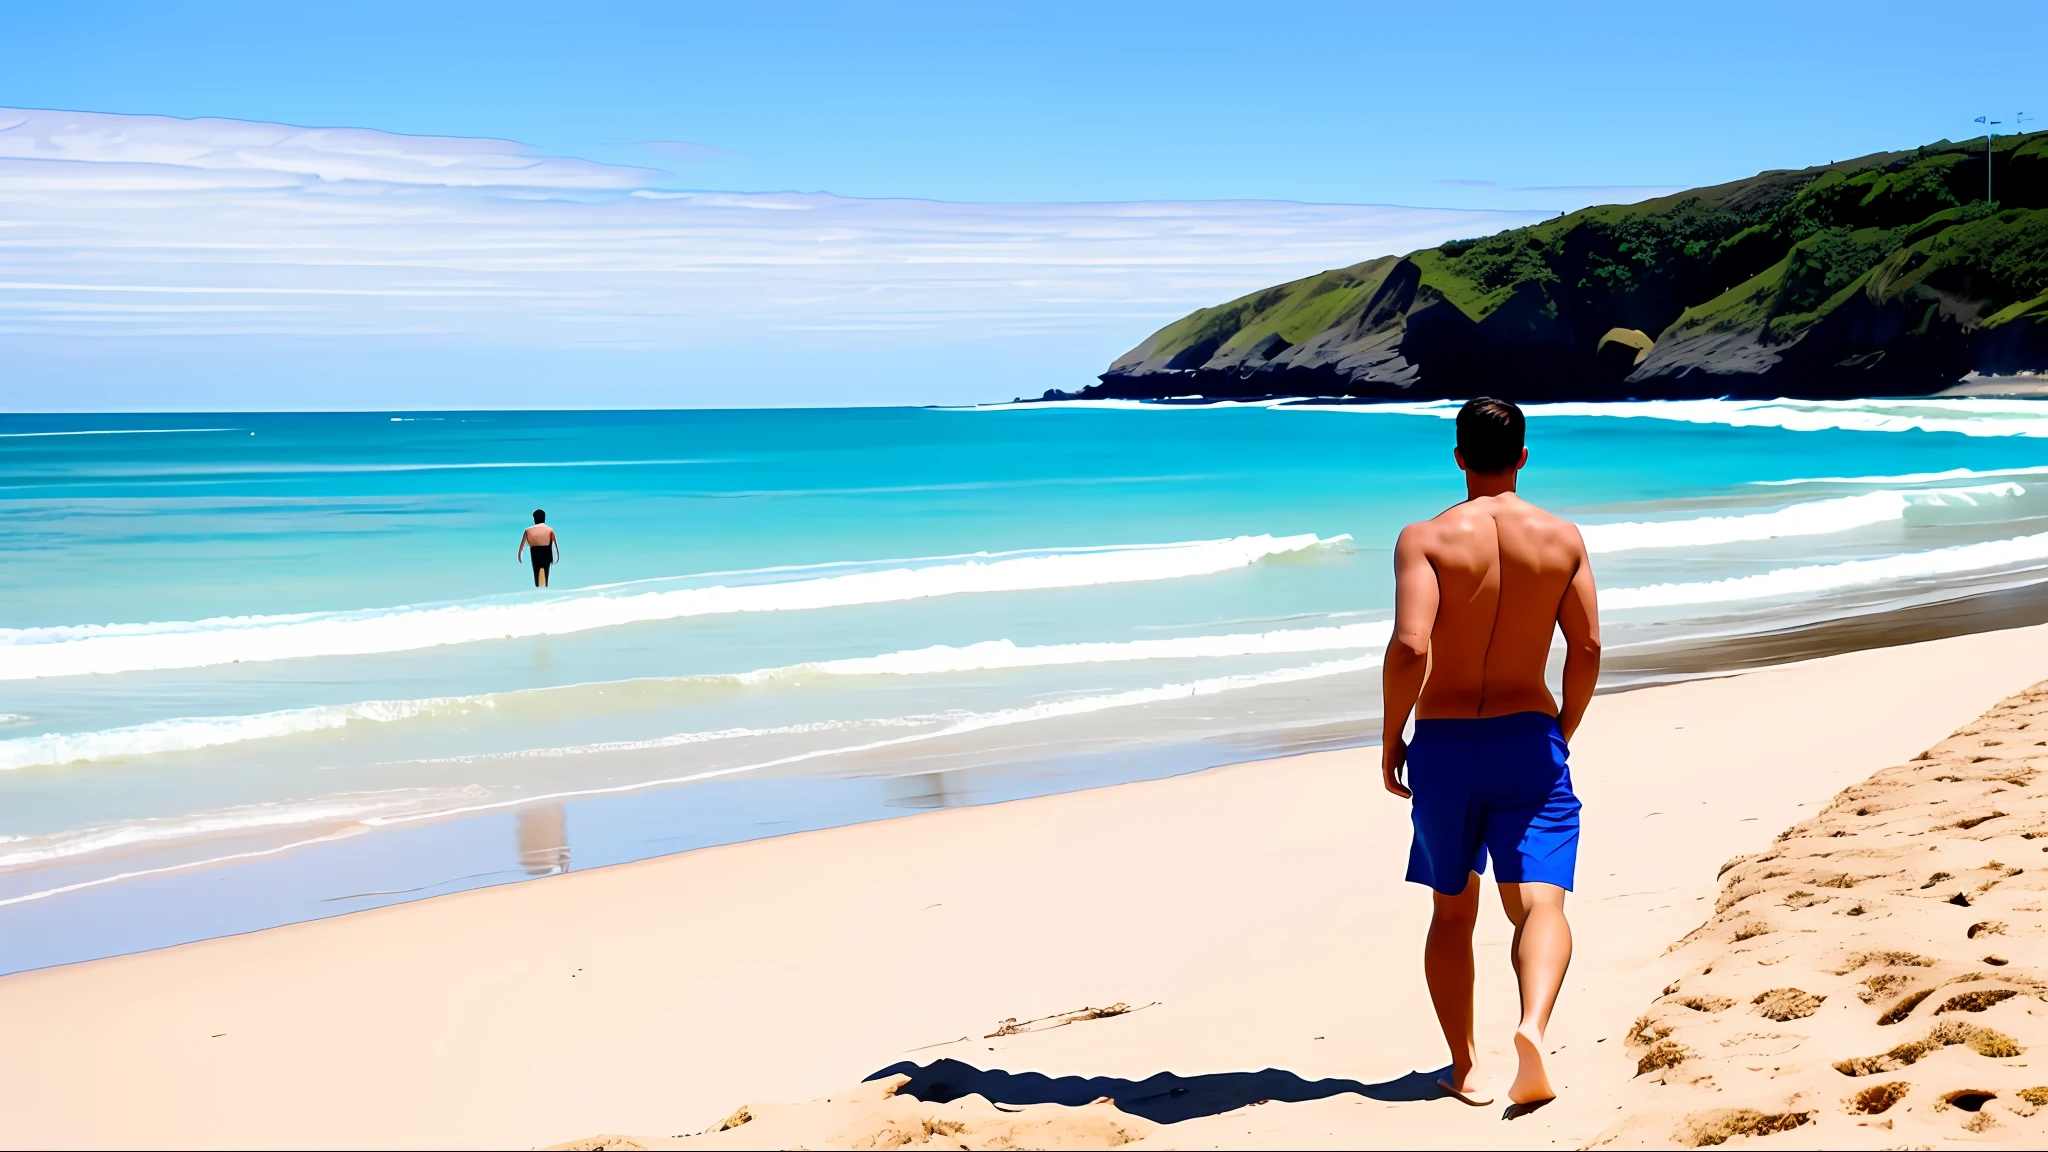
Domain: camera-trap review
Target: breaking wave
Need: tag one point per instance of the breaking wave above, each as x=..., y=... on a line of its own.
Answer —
x=1809, y=579
x=1814, y=518
x=186, y=734
x=72, y=650
x=191, y=733
x=1909, y=477
x=1968, y=416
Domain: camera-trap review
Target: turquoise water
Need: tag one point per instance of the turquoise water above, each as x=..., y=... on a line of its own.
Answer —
x=260, y=667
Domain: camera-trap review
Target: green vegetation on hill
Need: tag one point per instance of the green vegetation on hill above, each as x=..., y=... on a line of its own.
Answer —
x=1889, y=274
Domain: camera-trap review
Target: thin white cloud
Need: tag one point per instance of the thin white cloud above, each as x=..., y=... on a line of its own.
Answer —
x=113, y=226
x=80, y=148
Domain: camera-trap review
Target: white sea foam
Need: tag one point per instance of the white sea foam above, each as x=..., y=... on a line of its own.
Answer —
x=345, y=469
x=112, y=432
x=1969, y=416
x=994, y=654
x=29, y=851
x=1813, y=518
x=1966, y=416
x=208, y=862
x=1810, y=579
x=685, y=739
x=78, y=649
x=1909, y=477
x=190, y=733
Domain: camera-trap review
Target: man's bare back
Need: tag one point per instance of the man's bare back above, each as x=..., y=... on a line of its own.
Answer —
x=1479, y=590
x=547, y=547
x=1495, y=594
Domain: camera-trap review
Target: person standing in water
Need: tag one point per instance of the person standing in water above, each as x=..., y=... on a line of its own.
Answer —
x=546, y=548
x=1479, y=591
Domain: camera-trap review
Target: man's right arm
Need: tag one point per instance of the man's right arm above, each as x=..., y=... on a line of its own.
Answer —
x=1579, y=616
x=1407, y=662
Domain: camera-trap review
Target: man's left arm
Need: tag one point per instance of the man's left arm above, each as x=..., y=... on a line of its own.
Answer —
x=1407, y=664
x=1579, y=617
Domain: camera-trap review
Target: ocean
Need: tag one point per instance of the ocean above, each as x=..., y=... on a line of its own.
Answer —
x=263, y=668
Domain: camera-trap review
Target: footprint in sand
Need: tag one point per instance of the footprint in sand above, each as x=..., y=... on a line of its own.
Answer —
x=1923, y=846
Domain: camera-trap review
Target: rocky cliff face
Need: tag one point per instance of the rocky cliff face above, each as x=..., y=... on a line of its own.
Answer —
x=1887, y=275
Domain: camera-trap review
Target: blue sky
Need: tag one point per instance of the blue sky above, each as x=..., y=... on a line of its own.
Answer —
x=1051, y=100
x=1515, y=108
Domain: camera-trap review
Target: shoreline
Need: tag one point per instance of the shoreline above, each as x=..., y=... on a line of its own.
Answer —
x=1254, y=903
x=348, y=868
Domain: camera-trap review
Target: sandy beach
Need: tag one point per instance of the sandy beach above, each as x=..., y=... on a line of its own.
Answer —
x=1251, y=920
x=736, y=577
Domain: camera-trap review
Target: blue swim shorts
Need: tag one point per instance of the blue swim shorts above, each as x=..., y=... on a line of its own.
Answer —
x=1496, y=786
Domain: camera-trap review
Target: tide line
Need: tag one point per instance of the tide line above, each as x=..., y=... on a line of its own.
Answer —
x=974, y=723
x=354, y=830
x=345, y=808
x=960, y=726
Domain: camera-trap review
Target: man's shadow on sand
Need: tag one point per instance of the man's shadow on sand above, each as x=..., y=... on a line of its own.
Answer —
x=1164, y=1098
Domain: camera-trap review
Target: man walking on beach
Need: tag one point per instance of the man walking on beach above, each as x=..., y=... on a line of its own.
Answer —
x=546, y=549
x=1477, y=593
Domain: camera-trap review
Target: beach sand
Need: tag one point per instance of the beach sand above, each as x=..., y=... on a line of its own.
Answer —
x=1880, y=966
x=1250, y=921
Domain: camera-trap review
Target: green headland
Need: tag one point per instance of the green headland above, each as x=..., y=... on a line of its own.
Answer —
x=1891, y=274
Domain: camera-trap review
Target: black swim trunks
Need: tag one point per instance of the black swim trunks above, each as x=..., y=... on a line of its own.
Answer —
x=543, y=559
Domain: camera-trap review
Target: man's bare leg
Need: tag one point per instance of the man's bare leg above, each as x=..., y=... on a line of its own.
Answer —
x=1447, y=963
x=1542, y=952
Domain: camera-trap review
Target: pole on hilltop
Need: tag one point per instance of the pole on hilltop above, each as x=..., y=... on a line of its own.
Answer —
x=1988, y=124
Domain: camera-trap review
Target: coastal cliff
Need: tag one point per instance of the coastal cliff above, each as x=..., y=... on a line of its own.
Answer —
x=1886, y=275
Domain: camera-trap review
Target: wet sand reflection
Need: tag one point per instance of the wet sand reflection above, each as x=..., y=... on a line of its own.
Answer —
x=922, y=790
x=543, y=840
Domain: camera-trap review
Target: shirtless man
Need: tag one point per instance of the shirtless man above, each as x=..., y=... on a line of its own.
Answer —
x=546, y=549
x=1478, y=591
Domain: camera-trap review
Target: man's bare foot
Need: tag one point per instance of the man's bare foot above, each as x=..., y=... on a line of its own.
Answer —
x=1532, y=1082
x=1466, y=1095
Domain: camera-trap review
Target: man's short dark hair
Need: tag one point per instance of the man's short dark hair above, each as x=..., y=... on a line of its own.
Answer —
x=540, y=516
x=1490, y=434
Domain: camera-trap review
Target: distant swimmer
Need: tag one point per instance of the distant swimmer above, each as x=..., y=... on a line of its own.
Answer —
x=1478, y=592
x=546, y=548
